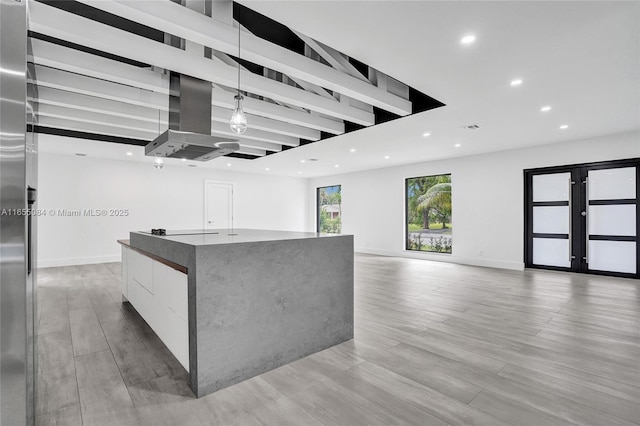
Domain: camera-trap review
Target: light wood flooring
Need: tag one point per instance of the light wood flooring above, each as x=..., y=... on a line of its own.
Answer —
x=435, y=344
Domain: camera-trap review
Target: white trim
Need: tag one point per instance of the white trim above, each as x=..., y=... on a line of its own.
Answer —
x=51, y=263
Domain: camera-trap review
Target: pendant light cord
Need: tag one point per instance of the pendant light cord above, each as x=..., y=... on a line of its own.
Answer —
x=238, y=51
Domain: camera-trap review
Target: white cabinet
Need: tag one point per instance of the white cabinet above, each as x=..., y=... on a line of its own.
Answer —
x=171, y=309
x=159, y=294
x=140, y=269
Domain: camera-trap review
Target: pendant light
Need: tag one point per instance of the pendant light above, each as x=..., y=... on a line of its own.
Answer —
x=238, y=121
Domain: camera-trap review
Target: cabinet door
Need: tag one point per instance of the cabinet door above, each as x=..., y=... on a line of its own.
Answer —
x=140, y=269
x=170, y=305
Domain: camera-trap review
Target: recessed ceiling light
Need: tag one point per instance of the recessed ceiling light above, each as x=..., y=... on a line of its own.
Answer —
x=468, y=39
x=184, y=159
x=386, y=157
x=336, y=166
x=302, y=161
x=228, y=164
x=129, y=154
x=426, y=134
x=267, y=169
x=352, y=150
x=516, y=82
x=545, y=108
x=457, y=145
x=564, y=126
x=299, y=172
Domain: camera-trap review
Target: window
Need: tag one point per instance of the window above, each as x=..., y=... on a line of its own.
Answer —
x=329, y=209
x=428, y=214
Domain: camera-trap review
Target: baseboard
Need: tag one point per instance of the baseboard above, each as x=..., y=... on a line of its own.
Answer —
x=447, y=258
x=51, y=263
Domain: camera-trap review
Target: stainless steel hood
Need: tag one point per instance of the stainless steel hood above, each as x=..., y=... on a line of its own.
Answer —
x=189, y=145
x=189, y=135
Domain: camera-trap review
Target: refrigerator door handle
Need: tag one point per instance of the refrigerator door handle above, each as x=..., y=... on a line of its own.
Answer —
x=31, y=201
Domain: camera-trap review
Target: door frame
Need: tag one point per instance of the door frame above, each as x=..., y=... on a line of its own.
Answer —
x=578, y=198
x=206, y=203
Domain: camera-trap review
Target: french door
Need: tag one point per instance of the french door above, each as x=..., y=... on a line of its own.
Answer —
x=584, y=218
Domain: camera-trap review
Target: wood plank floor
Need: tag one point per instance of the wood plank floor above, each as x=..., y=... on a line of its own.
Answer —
x=435, y=344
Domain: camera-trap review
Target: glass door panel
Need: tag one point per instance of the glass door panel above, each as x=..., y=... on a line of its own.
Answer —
x=551, y=220
x=612, y=184
x=614, y=256
x=615, y=220
x=551, y=252
x=551, y=187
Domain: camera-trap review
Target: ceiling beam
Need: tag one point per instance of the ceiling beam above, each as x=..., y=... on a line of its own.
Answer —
x=79, y=101
x=72, y=60
x=151, y=129
x=57, y=79
x=174, y=19
x=69, y=99
x=56, y=23
x=332, y=56
x=69, y=123
x=281, y=119
x=262, y=123
x=221, y=98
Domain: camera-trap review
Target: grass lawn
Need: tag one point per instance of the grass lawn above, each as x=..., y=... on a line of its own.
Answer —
x=413, y=227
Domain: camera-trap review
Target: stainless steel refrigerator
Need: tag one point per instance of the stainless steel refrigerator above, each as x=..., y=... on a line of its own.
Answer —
x=18, y=195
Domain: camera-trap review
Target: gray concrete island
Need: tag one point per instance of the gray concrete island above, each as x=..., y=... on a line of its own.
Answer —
x=258, y=299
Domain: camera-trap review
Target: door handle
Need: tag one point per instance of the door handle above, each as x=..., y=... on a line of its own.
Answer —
x=584, y=214
x=571, y=256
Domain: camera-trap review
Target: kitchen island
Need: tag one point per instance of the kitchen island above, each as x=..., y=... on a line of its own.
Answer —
x=232, y=305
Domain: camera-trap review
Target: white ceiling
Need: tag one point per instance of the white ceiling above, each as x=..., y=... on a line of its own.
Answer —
x=581, y=58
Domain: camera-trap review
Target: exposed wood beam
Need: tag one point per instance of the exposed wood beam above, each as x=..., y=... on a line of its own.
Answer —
x=101, y=129
x=64, y=58
x=221, y=98
x=53, y=22
x=332, y=56
x=57, y=79
x=223, y=128
x=78, y=101
x=172, y=18
x=69, y=123
x=91, y=117
x=63, y=98
x=76, y=61
x=152, y=129
x=261, y=123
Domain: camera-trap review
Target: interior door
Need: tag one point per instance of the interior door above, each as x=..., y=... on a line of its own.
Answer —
x=584, y=218
x=218, y=205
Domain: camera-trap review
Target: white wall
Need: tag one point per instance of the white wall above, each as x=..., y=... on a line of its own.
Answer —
x=171, y=198
x=488, y=199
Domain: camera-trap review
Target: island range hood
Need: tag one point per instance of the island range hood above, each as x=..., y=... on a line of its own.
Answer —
x=189, y=134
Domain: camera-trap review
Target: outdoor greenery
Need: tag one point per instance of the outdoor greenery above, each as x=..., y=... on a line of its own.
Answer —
x=330, y=197
x=429, y=213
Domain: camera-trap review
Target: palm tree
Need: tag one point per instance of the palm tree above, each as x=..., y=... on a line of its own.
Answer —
x=438, y=197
